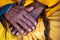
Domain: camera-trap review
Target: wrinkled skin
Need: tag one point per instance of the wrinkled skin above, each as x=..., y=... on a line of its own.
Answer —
x=21, y=20
x=18, y=17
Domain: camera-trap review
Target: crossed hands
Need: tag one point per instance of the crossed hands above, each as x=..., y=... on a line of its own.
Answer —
x=23, y=19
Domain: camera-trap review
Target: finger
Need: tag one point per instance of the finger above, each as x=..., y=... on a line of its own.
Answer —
x=11, y=27
x=14, y=31
x=29, y=9
x=23, y=25
x=25, y=33
x=28, y=23
x=18, y=27
x=29, y=17
x=17, y=33
x=35, y=13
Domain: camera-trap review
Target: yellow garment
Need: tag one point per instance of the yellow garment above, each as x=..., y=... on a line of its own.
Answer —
x=52, y=13
x=49, y=2
x=4, y=2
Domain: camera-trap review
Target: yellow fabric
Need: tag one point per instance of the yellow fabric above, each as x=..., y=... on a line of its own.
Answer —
x=52, y=13
x=27, y=2
x=4, y=2
x=46, y=2
x=50, y=3
x=52, y=10
x=55, y=25
x=2, y=32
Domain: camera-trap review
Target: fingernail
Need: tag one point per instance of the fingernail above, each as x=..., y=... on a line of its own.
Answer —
x=29, y=30
x=12, y=32
x=17, y=33
x=35, y=23
x=11, y=28
x=22, y=31
x=33, y=27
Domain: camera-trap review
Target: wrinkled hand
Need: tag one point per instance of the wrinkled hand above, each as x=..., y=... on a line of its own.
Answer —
x=20, y=19
x=35, y=10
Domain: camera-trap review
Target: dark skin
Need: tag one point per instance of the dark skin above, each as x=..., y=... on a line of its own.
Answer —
x=23, y=21
x=18, y=16
x=13, y=30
